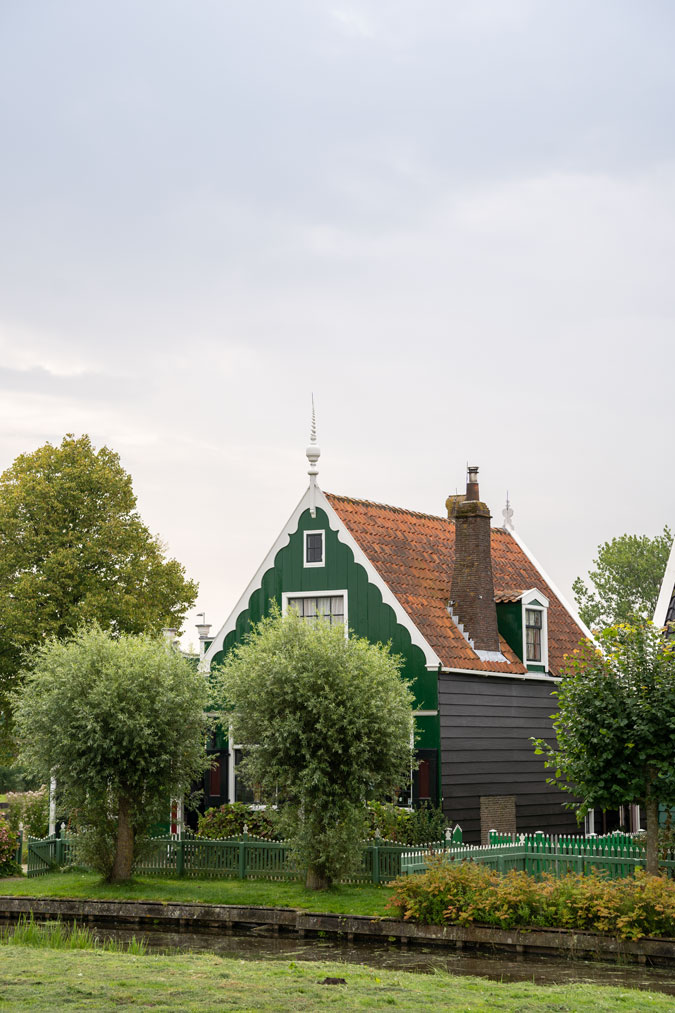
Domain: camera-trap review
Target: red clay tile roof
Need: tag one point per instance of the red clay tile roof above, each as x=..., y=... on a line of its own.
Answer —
x=414, y=555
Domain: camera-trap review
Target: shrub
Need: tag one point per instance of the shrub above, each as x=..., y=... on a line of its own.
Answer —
x=405, y=826
x=30, y=808
x=8, y=844
x=230, y=820
x=463, y=892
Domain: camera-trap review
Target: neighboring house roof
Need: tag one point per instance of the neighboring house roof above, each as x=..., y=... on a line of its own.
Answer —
x=665, y=606
x=414, y=555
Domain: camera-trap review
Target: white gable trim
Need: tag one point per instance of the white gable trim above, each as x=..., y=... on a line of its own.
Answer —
x=556, y=591
x=335, y=522
x=289, y=528
x=388, y=596
x=666, y=592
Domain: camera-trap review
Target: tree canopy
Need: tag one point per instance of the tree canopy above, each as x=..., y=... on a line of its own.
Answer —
x=626, y=580
x=120, y=723
x=615, y=725
x=73, y=550
x=328, y=721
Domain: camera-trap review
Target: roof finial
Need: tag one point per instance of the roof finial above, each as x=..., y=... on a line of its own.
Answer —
x=313, y=454
x=507, y=514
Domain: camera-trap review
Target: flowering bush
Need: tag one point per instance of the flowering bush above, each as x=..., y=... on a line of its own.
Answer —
x=8, y=844
x=30, y=808
x=230, y=820
x=463, y=892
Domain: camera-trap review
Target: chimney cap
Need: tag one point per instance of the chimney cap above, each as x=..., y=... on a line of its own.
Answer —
x=472, y=482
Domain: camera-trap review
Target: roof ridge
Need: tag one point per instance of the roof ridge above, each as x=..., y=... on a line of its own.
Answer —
x=386, y=506
x=404, y=510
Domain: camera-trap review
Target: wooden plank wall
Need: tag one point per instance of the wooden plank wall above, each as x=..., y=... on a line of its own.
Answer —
x=486, y=724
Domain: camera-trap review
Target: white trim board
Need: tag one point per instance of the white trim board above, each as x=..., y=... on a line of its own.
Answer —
x=556, y=590
x=523, y=676
x=388, y=596
x=289, y=528
x=666, y=592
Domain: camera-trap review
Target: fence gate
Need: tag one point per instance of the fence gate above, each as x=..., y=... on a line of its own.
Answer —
x=42, y=855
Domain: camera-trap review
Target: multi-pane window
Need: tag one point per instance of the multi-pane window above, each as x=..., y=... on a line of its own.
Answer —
x=314, y=547
x=533, y=627
x=329, y=608
x=242, y=792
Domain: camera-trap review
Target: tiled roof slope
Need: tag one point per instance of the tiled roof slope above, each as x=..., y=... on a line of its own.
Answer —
x=414, y=555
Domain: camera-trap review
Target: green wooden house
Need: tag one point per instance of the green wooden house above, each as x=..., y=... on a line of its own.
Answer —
x=481, y=628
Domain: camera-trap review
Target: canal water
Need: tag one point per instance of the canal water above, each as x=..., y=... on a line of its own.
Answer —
x=256, y=945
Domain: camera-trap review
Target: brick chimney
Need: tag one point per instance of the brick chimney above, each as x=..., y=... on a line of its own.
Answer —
x=472, y=593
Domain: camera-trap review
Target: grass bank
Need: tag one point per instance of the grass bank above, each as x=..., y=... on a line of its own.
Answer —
x=356, y=900
x=38, y=979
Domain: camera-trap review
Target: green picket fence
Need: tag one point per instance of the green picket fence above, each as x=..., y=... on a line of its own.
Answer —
x=616, y=855
x=242, y=857
x=48, y=853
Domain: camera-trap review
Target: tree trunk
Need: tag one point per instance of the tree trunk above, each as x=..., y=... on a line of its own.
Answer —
x=652, y=851
x=124, y=851
x=315, y=881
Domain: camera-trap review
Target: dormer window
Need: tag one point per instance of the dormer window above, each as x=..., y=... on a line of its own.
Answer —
x=533, y=625
x=314, y=546
x=535, y=629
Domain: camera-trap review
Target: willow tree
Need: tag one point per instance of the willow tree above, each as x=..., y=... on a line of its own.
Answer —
x=615, y=726
x=328, y=719
x=120, y=722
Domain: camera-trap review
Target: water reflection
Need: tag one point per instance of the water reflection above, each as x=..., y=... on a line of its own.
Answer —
x=258, y=945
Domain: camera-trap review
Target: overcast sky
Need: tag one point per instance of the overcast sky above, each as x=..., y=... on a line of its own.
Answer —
x=453, y=221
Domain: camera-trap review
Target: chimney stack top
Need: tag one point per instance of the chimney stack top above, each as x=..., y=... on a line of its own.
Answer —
x=472, y=482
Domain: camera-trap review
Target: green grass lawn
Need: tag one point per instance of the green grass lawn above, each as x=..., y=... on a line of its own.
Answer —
x=34, y=979
x=358, y=900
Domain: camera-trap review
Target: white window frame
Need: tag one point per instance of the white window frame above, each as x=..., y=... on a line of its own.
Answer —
x=526, y=602
x=323, y=548
x=285, y=595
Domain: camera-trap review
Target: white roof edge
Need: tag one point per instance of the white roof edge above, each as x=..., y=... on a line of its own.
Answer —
x=666, y=592
x=527, y=596
x=556, y=591
x=388, y=596
x=526, y=676
x=346, y=537
x=289, y=528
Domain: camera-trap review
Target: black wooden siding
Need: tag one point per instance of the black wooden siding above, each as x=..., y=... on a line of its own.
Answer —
x=486, y=724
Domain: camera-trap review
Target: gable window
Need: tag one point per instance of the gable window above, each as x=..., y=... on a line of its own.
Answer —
x=329, y=608
x=533, y=624
x=314, y=548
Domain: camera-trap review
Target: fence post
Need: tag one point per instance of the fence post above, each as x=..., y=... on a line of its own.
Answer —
x=180, y=856
x=59, y=849
x=375, y=876
x=242, y=854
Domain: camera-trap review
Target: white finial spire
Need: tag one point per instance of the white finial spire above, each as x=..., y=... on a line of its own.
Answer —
x=313, y=454
x=507, y=514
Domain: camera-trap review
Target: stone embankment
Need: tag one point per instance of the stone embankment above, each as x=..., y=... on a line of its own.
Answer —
x=228, y=919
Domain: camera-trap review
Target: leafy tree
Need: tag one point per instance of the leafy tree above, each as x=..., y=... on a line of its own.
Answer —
x=120, y=722
x=627, y=579
x=329, y=721
x=615, y=726
x=73, y=550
